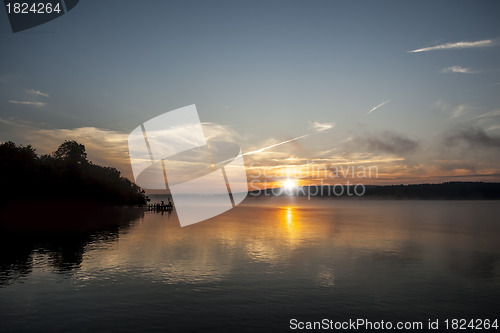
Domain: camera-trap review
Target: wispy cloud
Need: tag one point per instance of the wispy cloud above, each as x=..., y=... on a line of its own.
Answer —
x=217, y=132
x=378, y=106
x=473, y=136
x=27, y=103
x=454, y=165
x=320, y=127
x=314, y=125
x=492, y=128
x=491, y=114
x=32, y=92
x=104, y=146
x=388, y=142
x=457, y=69
x=35, y=92
x=454, y=111
x=457, y=45
x=460, y=110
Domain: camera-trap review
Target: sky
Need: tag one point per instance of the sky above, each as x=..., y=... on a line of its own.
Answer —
x=407, y=90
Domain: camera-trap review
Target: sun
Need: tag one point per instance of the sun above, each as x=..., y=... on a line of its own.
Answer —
x=289, y=185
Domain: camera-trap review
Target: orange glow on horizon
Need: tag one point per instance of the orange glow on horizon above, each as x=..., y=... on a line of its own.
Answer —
x=384, y=174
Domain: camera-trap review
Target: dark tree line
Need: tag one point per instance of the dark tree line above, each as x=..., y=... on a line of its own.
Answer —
x=65, y=174
x=444, y=191
x=448, y=191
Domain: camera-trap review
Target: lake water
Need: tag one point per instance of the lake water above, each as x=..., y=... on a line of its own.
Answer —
x=258, y=266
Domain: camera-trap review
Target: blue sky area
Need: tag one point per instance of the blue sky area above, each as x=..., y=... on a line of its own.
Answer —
x=266, y=72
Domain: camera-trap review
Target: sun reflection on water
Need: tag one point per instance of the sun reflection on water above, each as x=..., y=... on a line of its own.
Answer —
x=288, y=218
x=290, y=221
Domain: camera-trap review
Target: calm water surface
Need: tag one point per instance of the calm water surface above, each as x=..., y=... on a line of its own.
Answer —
x=257, y=266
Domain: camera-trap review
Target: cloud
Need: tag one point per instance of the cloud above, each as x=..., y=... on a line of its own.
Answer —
x=32, y=92
x=315, y=126
x=217, y=132
x=458, y=165
x=460, y=110
x=457, y=69
x=320, y=127
x=105, y=147
x=37, y=93
x=473, y=136
x=388, y=142
x=27, y=103
x=378, y=106
x=492, y=128
x=101, y=144
x=491, y=114
x=454, y=46
x=453, y=111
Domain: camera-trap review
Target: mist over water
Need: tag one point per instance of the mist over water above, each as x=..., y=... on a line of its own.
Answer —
x=259, y=265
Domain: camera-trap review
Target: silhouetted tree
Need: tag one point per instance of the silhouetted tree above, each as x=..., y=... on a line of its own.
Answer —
x=12, y=154
x=72, y=152
x=18, y=166
x=64, y=174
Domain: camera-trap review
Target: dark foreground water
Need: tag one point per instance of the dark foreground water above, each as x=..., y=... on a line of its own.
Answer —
x=258, y=266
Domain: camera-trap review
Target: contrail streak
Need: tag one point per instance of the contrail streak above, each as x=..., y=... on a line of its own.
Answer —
x=376, y=107
x=277, y=144
x=320, y=130
x=459, y=45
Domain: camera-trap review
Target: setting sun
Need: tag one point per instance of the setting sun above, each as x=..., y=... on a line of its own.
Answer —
x=289, y=184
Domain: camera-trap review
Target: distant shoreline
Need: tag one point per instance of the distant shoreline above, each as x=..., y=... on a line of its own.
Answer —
x=443, y=191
